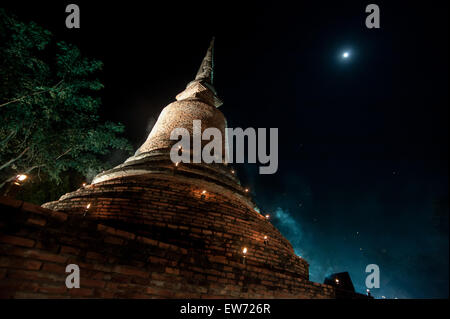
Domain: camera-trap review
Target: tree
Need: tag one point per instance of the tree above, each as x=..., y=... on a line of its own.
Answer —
x=48, y=106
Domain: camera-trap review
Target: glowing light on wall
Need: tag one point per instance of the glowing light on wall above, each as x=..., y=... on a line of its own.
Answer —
x=21, y=177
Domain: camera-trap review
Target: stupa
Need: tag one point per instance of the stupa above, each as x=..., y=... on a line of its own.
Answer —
x=153, y=228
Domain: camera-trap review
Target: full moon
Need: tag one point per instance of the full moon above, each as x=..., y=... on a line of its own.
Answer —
x=345, y=55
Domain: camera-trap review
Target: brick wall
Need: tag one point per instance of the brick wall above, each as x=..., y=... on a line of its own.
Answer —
x=158, y=258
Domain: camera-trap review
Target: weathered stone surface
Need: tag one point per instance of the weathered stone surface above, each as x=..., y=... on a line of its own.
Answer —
x=151, y=259
x=149, y=228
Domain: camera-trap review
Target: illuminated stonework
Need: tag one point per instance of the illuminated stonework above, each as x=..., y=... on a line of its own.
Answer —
x=153, y=228
x=180, y=114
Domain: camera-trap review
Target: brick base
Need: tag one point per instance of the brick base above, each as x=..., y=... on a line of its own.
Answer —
x=144, y=261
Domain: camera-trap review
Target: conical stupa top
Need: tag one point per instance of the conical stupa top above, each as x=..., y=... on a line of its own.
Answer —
x=206, y=70
x=202, y=86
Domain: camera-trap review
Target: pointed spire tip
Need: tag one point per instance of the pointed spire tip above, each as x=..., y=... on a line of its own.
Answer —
x=206, y=70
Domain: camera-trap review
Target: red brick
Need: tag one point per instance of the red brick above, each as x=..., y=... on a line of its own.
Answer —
x=106, y=229
x=113, y=240
x=43, y=211
x=12, y=262
x=164, y=245
x=173, y=271
x=131, y=271
x=55, y=268
x=54, y=289
x=95, y=256
x=43, y=255
x=218, y=259
x=106, y=294
x=19, y=241
x=11, y=202
x=19, y=285
x=85, y=282
x=34, y=275
x=148, y=241
x=116, y=232
x=160, y=292
x=125, y=234
x=156, y=260
x=37, y=221
x=70, y=250
x=81, y=292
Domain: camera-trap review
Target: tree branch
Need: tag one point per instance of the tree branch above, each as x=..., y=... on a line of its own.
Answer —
x=28, y=170
x=6, y=140
x=63, y=154
x=32, y=94
x=14, y=159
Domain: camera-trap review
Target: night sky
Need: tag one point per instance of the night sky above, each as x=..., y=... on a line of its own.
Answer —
x=363, y=142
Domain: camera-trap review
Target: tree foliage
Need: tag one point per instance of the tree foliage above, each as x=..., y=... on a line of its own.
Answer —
x=49, y=105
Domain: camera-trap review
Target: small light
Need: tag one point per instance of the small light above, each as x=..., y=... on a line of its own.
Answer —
x=265, y=237
x=84, y=184
x=204, y=192
x=345, y=55
x=88, y=206
x=180, y=147
x=232, y=171
x=246, y=190
x=177, y=163
x=337, y=281
x=267, y=216
x=21, y=177
x=244, y=250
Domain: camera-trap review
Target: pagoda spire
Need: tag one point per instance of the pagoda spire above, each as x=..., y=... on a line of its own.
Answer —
x=202, y=86
x=206, y=70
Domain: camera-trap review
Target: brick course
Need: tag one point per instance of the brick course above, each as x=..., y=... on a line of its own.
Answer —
x=146, y=260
